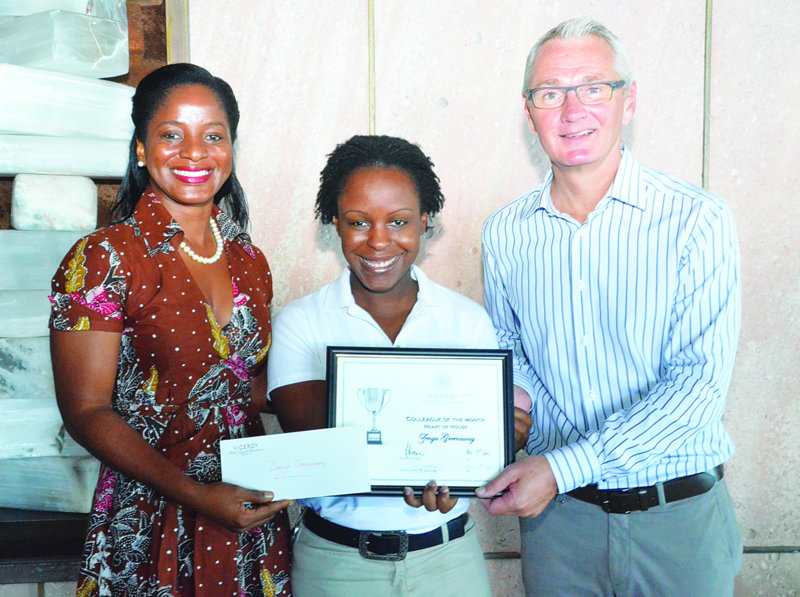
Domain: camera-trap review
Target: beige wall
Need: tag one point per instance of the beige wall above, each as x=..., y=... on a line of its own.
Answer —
x=448, y=76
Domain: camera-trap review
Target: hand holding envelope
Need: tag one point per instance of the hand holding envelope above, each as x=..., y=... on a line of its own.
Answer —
x=299, y=465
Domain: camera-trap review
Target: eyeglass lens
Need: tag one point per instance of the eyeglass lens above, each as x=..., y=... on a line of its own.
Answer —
x=589, y=93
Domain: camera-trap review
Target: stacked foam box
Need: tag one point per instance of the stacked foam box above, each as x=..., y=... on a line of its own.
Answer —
x=59, y=126
x=56, y=123
x=83, y=37
x=41, y=468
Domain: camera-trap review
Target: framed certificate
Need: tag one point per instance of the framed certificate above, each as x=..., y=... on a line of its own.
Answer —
x=430, y=414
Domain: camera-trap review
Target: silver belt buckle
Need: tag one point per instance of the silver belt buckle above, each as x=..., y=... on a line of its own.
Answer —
x=402, y=545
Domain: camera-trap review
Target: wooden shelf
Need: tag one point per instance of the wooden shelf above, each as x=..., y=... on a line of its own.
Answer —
x=40, y=546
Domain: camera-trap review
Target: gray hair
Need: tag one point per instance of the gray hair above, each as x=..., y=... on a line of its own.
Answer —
x=573, y=29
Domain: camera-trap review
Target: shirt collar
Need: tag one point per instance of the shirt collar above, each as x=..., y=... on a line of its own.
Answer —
x=539, y=198
x=155, y=225
x=626, y=188
x=341, y=296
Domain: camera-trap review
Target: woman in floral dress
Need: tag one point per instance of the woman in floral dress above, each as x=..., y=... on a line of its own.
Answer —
x=159, y=334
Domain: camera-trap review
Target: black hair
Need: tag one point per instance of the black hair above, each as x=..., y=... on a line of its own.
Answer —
x=366, y=151
x=151, y=93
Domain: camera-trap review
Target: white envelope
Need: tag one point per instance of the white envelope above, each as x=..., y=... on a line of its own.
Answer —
x=299, y=465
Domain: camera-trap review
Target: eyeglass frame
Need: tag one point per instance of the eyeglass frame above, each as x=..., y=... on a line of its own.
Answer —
x=614, y=85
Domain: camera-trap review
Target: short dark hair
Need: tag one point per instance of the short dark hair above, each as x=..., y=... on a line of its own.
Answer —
x=382, y=151
x=151, y=93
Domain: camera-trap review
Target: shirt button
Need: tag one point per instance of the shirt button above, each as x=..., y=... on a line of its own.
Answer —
x=580, y=286
x=585, y=341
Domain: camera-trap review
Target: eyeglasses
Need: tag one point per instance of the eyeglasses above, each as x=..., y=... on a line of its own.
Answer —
x=598, y=92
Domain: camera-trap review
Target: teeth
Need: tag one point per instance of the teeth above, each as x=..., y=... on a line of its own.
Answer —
x=379, y=264
x=581, y=134
x=192, y=173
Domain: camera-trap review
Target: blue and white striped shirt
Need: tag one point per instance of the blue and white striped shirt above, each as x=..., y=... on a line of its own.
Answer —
x=623, y=329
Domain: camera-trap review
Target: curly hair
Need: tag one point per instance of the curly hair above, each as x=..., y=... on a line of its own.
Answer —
x=151, y=93
x=367, y=151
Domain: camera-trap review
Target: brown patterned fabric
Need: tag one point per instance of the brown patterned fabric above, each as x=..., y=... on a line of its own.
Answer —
x=183, y=382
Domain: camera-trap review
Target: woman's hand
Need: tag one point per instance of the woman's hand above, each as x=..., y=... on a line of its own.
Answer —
x=433, y=498
x=235, y=507
x=522, y=427
x=84, y=388
x=522, y=418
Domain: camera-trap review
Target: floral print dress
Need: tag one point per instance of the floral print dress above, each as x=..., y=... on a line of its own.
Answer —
x=183, y=382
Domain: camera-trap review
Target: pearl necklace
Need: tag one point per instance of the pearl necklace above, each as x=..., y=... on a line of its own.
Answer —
x=217, y=239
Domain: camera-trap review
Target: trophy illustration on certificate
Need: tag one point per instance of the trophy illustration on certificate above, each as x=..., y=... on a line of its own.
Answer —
x=374, y=399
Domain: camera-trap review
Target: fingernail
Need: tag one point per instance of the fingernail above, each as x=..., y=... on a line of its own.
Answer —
x=481, y=489
x=431, y=483
x=408, y=491
x=444, y=489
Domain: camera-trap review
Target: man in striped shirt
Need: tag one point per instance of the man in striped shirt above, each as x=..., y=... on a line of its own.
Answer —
x=617, y=289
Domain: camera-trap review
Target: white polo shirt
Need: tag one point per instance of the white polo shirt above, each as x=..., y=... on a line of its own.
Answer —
x=301, y=334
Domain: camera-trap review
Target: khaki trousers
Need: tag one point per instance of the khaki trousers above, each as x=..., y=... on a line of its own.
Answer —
x=321, y=568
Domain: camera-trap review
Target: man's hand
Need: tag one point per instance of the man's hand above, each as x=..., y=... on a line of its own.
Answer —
x=530, y=486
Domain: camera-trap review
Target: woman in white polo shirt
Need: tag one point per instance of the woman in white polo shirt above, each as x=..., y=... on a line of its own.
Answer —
x=379, y=193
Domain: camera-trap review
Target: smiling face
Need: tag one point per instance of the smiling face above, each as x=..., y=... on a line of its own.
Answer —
x=575, y=135
x=380, y=226
x=188, y=151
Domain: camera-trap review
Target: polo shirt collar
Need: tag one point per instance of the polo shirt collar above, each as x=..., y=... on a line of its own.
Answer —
x=341, y=296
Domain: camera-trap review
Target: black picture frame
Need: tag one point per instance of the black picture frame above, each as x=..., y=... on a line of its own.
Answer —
x=440, y=413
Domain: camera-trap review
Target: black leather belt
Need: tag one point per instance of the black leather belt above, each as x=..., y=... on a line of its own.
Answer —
x=381, y=545
x=623, y=501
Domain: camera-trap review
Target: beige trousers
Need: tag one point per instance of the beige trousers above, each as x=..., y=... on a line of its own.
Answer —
x=321, y=568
